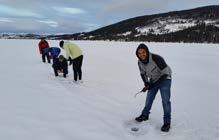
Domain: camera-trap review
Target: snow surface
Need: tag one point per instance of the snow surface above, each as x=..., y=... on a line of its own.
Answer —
x=37, y=106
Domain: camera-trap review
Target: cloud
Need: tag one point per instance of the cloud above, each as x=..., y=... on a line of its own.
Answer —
x=115, y=11
x=72, y=16
x=6, y=10
x=67, y=10
x=90, y=26
x=127, y=7
x=176, y=5
x=6, y=20
x=49, y=22
x=44, y=26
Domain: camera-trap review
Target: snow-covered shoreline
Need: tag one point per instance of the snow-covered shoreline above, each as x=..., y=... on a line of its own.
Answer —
x=36, y=105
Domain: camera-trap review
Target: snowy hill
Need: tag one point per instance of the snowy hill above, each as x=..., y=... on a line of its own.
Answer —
x=161, y=25
x=172, y=24
x=35, y=105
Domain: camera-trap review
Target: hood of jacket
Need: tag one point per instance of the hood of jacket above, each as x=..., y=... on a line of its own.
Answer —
x=143, y=46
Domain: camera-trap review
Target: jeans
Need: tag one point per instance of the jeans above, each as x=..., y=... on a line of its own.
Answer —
x=164, y=87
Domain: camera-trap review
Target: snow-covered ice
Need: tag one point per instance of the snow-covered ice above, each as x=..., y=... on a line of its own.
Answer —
x=38, y=106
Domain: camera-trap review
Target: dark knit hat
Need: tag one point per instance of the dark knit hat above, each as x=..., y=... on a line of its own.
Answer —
x=61, y=43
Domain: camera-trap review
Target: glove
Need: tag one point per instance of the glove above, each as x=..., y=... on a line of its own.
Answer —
x=69, y=59
x=145, y=89
x=70, y=62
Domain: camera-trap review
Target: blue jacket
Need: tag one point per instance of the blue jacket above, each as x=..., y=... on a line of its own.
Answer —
x=54, y=51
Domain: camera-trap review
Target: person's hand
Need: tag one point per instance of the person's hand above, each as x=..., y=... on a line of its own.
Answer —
x=69, y=59
x=70, y=63
x=145, y=89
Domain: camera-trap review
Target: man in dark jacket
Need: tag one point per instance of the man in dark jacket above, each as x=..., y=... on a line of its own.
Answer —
x=60, y=65
x=156, y=75
x=44, y=50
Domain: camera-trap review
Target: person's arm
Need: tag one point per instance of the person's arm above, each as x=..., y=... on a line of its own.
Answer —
x=67, y=51
x=47, y=44
x=65, y=64
x=40, y=47
x=58, y=51
x=162, y=66
x=159, y=61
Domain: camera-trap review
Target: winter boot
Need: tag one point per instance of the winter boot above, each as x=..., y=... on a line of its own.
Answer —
x=142, y=118
x=165, y=127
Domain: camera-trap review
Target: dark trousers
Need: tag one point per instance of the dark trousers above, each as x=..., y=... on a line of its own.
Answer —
x=77, y=64
x=53, y=59
x=164, y=87
x=44, y=56
x=57, y=68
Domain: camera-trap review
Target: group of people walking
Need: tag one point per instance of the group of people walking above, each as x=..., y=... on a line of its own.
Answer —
x=154, y=72
x=60, y=63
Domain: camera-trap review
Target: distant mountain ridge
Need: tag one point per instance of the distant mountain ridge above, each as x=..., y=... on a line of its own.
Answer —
x=197, y=15
x=144, y=27
x=194, y=25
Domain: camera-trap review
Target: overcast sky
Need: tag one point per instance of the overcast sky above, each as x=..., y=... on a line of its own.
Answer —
x=72, y=16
